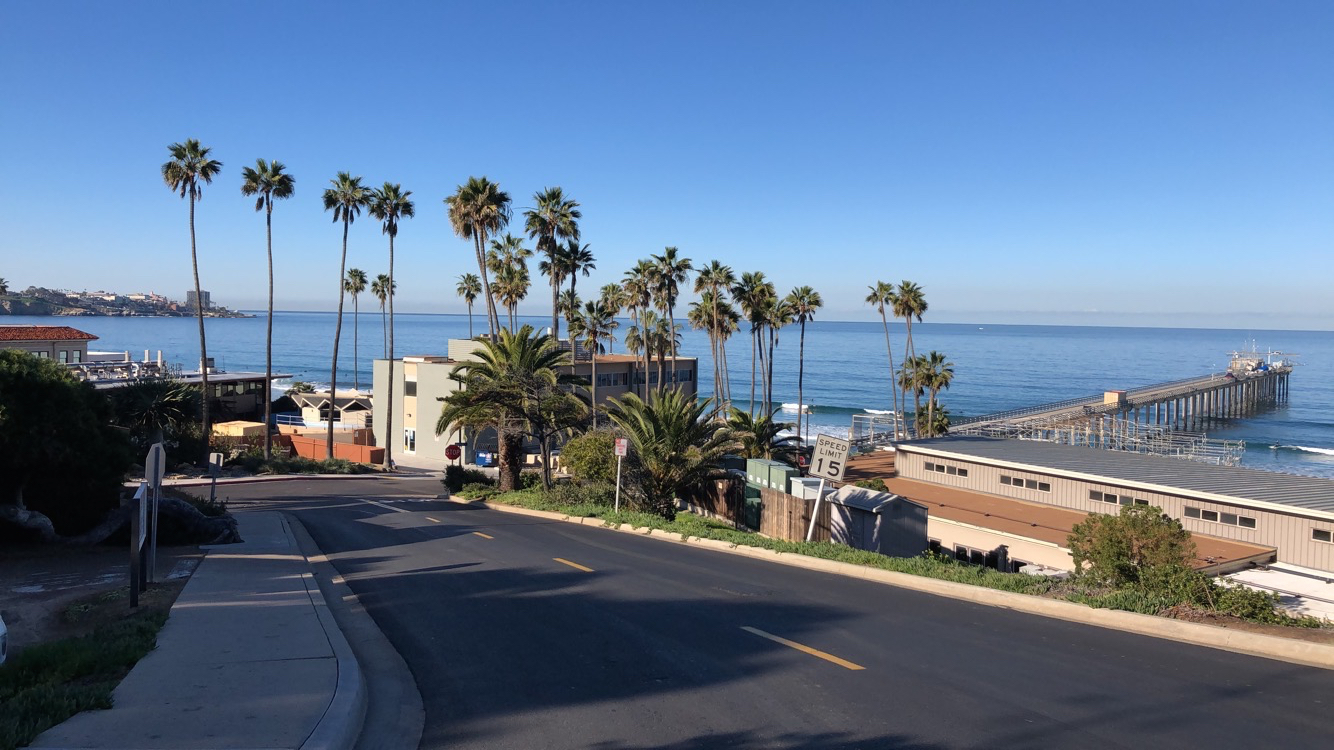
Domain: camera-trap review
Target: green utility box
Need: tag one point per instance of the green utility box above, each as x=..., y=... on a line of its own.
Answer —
x=752, y=491
x=752, y=514
x=780, y=476
x=757, y=471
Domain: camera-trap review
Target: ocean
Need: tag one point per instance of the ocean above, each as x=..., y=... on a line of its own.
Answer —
x=997, y=367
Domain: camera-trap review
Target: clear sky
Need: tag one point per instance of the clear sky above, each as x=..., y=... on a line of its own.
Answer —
x=1155, y=163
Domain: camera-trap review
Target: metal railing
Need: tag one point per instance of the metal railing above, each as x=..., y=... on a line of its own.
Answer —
x=1095, y=401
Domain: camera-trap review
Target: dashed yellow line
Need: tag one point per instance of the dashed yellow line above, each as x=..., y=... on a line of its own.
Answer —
x=484, y=536
x=817, y=653
x=574, y=565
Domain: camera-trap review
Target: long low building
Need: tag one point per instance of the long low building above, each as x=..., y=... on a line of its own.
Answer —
x=1292, y=514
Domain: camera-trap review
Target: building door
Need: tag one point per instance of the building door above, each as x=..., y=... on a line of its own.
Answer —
x=409, y=441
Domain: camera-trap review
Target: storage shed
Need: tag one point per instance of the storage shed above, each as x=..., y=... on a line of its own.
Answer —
x=877, y=521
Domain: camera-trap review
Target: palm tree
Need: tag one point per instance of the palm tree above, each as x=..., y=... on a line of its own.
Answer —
x=675, y=445
x=751, y=292
x=355, y=285
x=761, y=437
x=382, y=291
x=638, y=285
x=594, y=323
x=613, y=297
x=390, y=204
x=804, y=301
x=515, y=385
x=883, y=295
x=778, y=313
x=553, y=219
x=938, y=374
x=345, y=196
x=715, y=279
x=578, y=260
x=910, y=303
x=469, y=287
x=4, y=286
x=268, y=181
x=511, y=287
x=477, y=210
x=672, y=272
x=188, y=167
x=729, y=322
x=152, y=409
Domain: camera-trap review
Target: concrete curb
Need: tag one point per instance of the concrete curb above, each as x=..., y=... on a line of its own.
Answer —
x=340, y=726
x=224, y=481
x=1252, y=644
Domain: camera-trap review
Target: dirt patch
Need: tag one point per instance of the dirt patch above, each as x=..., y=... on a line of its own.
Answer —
x=1191, y=614
x=51, y=592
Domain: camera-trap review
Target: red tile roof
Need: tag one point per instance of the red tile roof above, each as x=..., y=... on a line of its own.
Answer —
x=43, y=333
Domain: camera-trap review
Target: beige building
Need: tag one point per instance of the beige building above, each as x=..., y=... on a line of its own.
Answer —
x=420, y=381
x=60, y=343
x=1293, y=515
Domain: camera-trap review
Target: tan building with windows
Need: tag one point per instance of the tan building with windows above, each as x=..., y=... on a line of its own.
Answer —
x=420, y=381
x=1292, y=515
x=61, y=343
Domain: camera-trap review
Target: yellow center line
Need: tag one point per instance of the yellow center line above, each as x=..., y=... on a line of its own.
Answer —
x=817, y=653
x=576, y=566
x=437, y=520
x=484, y=536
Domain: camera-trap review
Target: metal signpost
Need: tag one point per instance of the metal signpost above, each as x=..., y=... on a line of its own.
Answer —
x=214, y=469
x=828, y=463
x=622, y=449
x=155, y=467
x=138, y=530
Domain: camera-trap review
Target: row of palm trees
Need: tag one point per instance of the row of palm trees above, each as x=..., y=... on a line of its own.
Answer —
x=906, y=301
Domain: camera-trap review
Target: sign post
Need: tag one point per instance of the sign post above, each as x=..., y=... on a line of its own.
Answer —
x=138, y=528
x=214, y=469
x=828, y=462
x=155, y=467
x=622, y=449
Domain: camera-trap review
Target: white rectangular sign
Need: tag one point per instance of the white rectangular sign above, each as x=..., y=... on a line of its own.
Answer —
x=830, y=458
x=214, y=464
x=622, y=447
x=155, y=465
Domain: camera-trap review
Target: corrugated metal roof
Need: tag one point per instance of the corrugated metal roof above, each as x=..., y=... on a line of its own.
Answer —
x=1168, y=475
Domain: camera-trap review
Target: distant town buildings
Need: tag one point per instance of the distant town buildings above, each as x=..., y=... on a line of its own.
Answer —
x=192, y=305
x=42, y=301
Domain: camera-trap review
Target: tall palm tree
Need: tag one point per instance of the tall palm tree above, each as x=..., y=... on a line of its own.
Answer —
x=268, y=181
x=804, y=302
x=675, y=444
x=511, y=287
x=716, y=279
x=751, y=292
x=938, y=375
x=613, y=297
x=382, y=291
x=469, y=287
x=910, y=303
x=762, y=436
x=594, y=323
x=390, y=204
x=639, y=285
x=185, y=173
x=355, y=285
x=345, y=196
x=882, y=296
x=4, y=286
x=553, y=219
x=479, y=209
x=778, y=313
x=578, y=260
x=672, y=272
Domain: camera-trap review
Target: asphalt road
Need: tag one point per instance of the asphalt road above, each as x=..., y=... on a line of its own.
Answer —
x=523, y=633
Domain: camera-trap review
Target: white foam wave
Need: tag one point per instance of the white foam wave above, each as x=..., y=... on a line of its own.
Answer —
x=1308, y=449
x=805, y=409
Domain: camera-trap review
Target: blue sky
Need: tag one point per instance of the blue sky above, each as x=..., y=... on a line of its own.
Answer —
x=1050, y=162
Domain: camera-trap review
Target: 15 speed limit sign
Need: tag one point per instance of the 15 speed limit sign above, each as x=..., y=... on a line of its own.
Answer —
x=830, y=459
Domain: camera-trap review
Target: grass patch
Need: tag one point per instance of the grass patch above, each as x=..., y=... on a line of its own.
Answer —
x=45, y=684
x=254, y=463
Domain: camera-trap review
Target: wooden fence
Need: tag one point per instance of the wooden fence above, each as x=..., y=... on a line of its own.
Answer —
x=783, y=516
x=722, y=499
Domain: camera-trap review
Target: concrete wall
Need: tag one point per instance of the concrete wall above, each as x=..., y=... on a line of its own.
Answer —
x=73, y=351
x=1288, y=532
x=951, y=534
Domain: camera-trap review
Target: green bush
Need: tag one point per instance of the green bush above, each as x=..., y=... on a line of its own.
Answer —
x=577, y=493
x=1140, y=542
x=477, y=491
x=876, y=484
x=530, y=479
x=456, y=477
x=590, y=457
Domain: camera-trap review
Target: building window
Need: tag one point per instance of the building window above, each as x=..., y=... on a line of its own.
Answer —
x=1108, y=497
x=43, y=354
x=78, y=355
x=64, y=356
x=409, y=441
x=410, y=388
x=1027, y=484
x=1322, y=535
x=1213, y=516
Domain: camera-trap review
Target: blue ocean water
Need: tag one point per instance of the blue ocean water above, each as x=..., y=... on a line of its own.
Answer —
x=997, y=367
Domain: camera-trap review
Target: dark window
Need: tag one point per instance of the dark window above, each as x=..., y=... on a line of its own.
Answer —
x=961, y=554
x=977, y=557
x=1209, y=515
x=951, y=470
x=1005, y=480
x=933, y=545
x=1192, y=512
x=410, y=388
x=1044, y=487
x=1141, y=502
x=1321, y=535
x=930, y=466
x=1245, y=522
x=1229, y=518
x=963, y=472
x=1031, y=484
x=1095, y=495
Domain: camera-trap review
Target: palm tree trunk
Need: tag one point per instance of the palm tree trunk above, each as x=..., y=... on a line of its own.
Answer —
x=931, y=414
x=595, y=384
x=893, y=388
x=801, y=377
x=356, y=343
x=555, y=302
x=268, y=344
x=338, y=334
x=671, y=335
x=389, y=390
x=754, y=340
x=470, y=320
x=644, y=335
x=910, y=354
x=384, y=329
x=203, y=347
x=492, y=319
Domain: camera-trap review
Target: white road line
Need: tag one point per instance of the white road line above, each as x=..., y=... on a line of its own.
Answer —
x=389, y=507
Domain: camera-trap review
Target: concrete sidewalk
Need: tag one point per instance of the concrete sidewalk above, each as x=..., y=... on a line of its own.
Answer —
x=250, y=658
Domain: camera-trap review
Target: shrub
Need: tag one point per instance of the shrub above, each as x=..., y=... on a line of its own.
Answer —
x=577, y=493
x=590, y=457
x=477, y=491
x=530, y=479
x=876, y=484
x=1122, y=549
x=456, y=477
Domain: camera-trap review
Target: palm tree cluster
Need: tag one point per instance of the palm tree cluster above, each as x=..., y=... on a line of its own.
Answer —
x=908, y=301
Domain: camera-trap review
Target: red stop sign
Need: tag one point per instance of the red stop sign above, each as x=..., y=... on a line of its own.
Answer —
x=452, y=452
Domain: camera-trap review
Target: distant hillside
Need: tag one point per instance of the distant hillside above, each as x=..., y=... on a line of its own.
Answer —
x=16, y=305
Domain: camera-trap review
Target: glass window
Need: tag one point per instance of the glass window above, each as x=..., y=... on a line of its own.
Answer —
x=410, y=388
x=1095, y=495
x=1044, y=486
x=1192, y=512
x=1321, y=535
x=1229, y=519
x=930, y=466
x=1141, y=502
x=78, y=355
x=64, y=356
x=1246, y=522
x=977, y=557
x=1005, y=480
x=1125, y=500
x=963, y=472
x=43, y=354
x=409, y=441
x=961, y=554
x=1209, y=515
x=951, y=470
x=1031, y=484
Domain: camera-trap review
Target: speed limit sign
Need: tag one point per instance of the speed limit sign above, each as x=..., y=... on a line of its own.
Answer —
x=830, y=458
